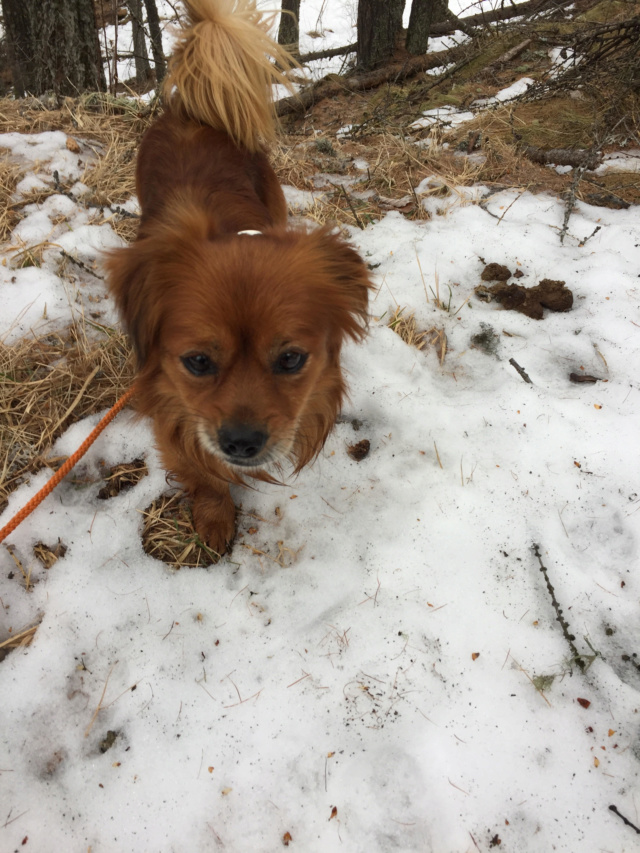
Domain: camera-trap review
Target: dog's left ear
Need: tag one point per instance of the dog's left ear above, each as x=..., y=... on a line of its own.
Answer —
x=349, y=275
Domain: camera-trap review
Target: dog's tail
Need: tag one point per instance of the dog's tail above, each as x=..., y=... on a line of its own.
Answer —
x=223, y=67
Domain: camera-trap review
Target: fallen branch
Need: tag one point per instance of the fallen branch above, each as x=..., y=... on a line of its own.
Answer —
x=327, y=54
x=447, y=74
x=503, y=13
x=595, y=231
x=570, y=201
x=510, y=54
x=624, y=819
x=569, y=637
x=332, y=86
x=351, y=207
x=578, y=157
x=520, y=370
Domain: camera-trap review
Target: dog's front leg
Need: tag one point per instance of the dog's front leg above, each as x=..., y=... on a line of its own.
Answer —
x=213, y=510
x=214, y=515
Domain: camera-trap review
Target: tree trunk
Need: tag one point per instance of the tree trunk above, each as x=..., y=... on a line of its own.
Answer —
x=140, y=55
x=379, y=22
x=288, y=32
x=153, y=19
x=18, y=35
x=55, y=46
x=423, y=14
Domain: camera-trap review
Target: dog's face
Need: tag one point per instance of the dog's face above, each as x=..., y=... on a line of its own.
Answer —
x=239, y=339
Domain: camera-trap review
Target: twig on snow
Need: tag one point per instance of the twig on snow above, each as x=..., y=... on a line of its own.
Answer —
x=569, y=637
x=624, y=819
x=520, y=370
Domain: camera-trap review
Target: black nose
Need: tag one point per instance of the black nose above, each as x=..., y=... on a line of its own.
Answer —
x=241, y=441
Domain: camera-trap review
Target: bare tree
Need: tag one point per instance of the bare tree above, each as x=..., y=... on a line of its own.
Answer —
x=53, y=46
x=288, y=31
x=140, y=54
x=153, y=20
x=379, y=23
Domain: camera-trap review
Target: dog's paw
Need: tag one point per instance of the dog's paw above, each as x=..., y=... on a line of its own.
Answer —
x=214, y=518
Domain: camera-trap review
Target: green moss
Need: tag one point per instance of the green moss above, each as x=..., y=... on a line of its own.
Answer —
x=607, y=11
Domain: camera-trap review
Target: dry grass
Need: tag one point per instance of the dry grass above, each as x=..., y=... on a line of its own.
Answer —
x=610, y=188
x=17, y=641
x=91, y=117
x=396, y=165
x=405, y=326
x=10, y=174
x=502, y=132
x=560, y=122
x=169, y=535
x=49, y=555
x=48, y=383
x=119, y=478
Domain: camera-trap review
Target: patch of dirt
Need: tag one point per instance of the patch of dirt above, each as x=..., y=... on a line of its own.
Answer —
x=121, y=477
x=486, y=340
x=495, y=272
x=359, y=450
x=108, y=741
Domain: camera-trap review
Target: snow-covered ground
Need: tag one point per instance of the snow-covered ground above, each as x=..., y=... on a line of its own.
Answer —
x=377, y=666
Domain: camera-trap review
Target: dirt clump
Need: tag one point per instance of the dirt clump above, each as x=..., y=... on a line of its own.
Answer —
x=360, y=450
x=495, y=272
x=529, y=301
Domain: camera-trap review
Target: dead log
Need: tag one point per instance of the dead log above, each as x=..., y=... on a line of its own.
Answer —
x=510, y=54
x=393, y=72
x=503, y=13
x=576, y=157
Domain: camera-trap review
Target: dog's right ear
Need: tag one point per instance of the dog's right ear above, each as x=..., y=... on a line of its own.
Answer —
x=139, y=275
x=129, y=271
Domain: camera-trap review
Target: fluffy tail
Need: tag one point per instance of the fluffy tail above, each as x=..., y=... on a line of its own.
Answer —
x=222, y=69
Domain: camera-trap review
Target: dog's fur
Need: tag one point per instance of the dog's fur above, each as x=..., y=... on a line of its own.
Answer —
x=237, y=336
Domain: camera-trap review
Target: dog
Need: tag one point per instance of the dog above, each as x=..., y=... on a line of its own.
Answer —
x=236, y=319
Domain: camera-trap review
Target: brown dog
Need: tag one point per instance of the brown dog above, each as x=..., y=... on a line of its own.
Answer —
x=237, y=335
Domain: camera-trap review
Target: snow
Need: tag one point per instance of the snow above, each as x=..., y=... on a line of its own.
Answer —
x=443, y=116
x=370, y=687
x=620, y=161
x=300, y=200
x=513, y=91
x=562, y=59
x=45, y=149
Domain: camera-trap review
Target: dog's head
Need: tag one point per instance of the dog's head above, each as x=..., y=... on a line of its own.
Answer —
x=238, y=338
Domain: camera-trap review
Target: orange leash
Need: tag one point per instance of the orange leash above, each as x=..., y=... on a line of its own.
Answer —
x=62, y=472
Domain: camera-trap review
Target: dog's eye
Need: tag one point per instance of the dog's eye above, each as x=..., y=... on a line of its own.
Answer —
x=199, y=364
x=290, y=362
